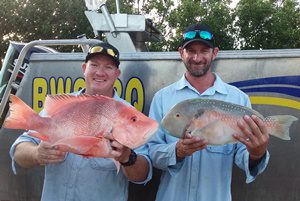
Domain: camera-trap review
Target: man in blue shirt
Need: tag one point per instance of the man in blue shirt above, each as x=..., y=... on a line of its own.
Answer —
x=73, y=177
x=192, y=170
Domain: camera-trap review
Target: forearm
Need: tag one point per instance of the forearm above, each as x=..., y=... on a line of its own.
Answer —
x=138, y=171
x=25, y=154
x=254, y=161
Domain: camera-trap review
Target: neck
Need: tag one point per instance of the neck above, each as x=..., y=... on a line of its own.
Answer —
x=202, y=83
x=109, y=93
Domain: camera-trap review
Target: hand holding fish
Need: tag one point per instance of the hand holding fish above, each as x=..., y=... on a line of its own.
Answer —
x=120, y=152
x=188, y=145
x=255, y=136
x=123, y=154
x=46, y=154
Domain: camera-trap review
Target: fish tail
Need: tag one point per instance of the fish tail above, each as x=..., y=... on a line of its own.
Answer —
x=117, y=164
x=281, y=125
x=20, y=116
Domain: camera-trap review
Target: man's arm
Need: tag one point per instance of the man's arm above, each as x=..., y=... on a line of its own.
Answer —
x=254, y=162
x=138, y=171
x=188, y=145
x=255, y=138
x=28, y=154
x=136, y=167
x=25, y=154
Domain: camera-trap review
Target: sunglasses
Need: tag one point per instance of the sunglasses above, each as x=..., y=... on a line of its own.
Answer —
x=193, y=34
x=99, y=49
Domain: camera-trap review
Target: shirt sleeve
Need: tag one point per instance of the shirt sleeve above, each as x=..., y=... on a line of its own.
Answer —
x=242, y=161
x=162, y=153
x=22, y=138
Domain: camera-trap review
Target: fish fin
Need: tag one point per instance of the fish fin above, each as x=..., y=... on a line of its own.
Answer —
x=38, y=135
x=53, y=104
x=216, y=132
x=20, y=114
x=282, y=124
x=87, y=146
x=102, y=149
x=122, y=138
x=78, y=145
x=117, y=164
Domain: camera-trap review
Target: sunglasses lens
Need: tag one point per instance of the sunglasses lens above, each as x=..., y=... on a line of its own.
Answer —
x=111, y=52
x=96, y=49
x=205, y=35
x=189, y=35
x=193, y=34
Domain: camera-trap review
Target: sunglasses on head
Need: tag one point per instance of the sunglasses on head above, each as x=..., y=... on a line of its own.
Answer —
x=193, y=34
x=99, y=49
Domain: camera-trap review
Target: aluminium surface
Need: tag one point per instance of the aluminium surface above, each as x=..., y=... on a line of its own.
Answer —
x=267, y=76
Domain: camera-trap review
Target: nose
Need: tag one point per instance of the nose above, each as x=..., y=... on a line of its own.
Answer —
x=100, y=71
x=197, y=57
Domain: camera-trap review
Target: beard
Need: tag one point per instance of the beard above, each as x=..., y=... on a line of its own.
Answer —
x=196, y=72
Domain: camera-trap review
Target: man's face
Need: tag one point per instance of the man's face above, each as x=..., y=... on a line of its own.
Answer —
x=197, y=58
x=100, y=73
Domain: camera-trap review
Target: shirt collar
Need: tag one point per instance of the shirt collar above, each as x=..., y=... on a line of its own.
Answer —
x=217, y=87
x=82, y=91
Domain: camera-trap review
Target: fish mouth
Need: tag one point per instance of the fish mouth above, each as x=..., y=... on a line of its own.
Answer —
x=151, y=132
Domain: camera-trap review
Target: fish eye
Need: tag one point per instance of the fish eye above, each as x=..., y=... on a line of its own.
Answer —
x=134, y=119
x=177, y=115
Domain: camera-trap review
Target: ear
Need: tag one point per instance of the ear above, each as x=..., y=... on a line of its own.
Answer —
x=118, y=72
x=180, y=50
x=215, y=52
x=83, y=67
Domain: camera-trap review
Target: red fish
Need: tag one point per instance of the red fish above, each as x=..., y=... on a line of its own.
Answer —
x=79, y=124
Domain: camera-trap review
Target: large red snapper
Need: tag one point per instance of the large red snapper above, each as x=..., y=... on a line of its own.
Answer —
x=216, y=120
x=79, y=124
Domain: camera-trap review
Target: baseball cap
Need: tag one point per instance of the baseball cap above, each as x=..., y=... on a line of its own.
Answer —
x=198, y=32
x=103, y=48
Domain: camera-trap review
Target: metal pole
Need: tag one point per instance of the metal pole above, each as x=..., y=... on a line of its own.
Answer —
x=118, y=6
x=109, y=20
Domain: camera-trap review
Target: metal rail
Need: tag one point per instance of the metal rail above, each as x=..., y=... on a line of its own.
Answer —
x=21, y=57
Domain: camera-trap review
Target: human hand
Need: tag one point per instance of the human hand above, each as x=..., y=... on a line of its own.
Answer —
x=188, y=145
x=47, y=154
x=255, y=136
x=120, y=152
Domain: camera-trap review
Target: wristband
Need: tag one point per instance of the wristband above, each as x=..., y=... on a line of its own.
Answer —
x=131, y=159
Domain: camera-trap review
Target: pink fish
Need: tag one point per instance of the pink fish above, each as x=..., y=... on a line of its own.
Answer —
x=79, y=124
